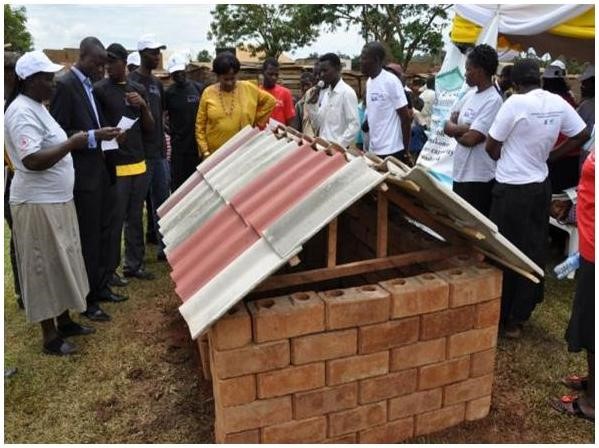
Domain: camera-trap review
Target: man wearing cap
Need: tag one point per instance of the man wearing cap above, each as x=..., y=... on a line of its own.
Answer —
x=521, y=140
x=120, y=97
x=181, y=101
x=74, y=107
x=133, y=61
x=157, y=165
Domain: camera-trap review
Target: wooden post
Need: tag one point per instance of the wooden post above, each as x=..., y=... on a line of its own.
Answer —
x=382, y=225
x=332, y=244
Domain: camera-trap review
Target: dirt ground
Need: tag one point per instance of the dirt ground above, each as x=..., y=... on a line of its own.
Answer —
x=138, y=380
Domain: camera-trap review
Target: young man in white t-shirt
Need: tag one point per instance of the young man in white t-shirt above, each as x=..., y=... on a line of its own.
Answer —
x=386, y=105
x=471, y=119
x=521, y=140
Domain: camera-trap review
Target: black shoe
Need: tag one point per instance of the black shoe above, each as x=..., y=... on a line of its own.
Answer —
x=141, y=274
x=161, y=256
x=110, y=296
x=59, y=347
x=117, y=281
x=94, y=312
x=74, y=329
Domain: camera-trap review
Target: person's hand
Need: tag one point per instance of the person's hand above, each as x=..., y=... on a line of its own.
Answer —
x=78, y=140
x=107, y=133
x=135, y=99
x=121, y=138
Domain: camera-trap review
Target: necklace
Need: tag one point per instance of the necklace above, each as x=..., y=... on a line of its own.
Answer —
x=231, y=109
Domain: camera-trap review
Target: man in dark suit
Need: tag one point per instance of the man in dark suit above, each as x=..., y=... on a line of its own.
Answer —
x=75, y=109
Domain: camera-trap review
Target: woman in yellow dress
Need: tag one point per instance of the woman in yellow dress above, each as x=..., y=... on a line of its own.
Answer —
x=229, y=105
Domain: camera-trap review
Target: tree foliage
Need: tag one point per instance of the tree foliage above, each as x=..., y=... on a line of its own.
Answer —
x=204, y=56
x=15, y=31
x=267, y=28
x=403, y=29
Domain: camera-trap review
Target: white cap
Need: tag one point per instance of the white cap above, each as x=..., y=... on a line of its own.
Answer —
x=148, y=41
x=560, y=64
x=589, y=72
x=134, y=59
x=35, y=62
x=176, y=63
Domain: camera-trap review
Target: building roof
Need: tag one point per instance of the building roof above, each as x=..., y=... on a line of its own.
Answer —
x=245, y=56
x=249, y=208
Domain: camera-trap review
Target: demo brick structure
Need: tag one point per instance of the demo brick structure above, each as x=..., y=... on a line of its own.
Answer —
x=377, y=363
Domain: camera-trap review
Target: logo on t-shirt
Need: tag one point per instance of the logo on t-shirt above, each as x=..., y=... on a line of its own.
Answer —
x=193, y=98
x=23, y=142
x=377, y=96
x=154, y=90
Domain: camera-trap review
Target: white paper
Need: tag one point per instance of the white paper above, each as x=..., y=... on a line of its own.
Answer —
x=125, y=123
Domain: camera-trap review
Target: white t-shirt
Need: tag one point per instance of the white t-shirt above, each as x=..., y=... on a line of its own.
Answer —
x=385, y=94
x=528, y=125
x=28, y=128
x=477, y=110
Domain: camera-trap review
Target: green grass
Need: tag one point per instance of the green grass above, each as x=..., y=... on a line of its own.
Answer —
x=137, y=378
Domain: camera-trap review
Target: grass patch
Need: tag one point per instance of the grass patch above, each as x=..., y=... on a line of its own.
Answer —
x=137, y=379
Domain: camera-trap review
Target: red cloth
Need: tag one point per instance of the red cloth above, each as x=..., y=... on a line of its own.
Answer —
x=585, y=209
x=285, y=109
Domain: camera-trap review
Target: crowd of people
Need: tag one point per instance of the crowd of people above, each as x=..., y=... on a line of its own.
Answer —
x=83, y=168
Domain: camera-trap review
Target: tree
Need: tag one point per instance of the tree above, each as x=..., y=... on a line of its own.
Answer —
x=15, y=32
x=204, y=56
x=267, y=28
x=403, y=29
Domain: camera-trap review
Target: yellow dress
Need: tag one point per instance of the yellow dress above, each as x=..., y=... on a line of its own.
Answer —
x=222, y=114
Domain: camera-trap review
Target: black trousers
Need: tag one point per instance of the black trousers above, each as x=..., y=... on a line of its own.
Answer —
x=477, y=194
x=95, y=210
x=521, y=213
x=182, y=166
x=8, y=218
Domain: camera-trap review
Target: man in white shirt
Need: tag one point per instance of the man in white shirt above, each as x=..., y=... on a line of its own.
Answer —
x=386, y=105
x=337, y=116
x=521, y=140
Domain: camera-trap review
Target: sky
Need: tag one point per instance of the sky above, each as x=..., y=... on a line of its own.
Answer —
x=182, y=28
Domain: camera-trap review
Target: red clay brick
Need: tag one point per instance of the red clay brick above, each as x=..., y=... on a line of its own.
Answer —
x=362, y=417
x=251, y=359
x=287, y=316
x=251, y=436
x=471, y=341
x=443, y=373
x=323, y=346
x=232, y=330
x=325, y=400
x=348, y=438
x=472, y=284
x=354, y=368
x=255, y=414
x=291, y=379
x=477, y=409
x=377, y=337
x=444, y=323
x=487, y=314
x=388, y=386
x=353, y=307
x=417, y=295
x=204, y=352
x=391, y=432
x=312, y=430
x=482, y=363
x=441, y=419
x=419, y=354
x=235, y=391
x=468, y=390
x=415, y=403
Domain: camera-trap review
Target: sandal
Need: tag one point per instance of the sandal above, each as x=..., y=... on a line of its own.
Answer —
x=568, y=404
x=575, y=382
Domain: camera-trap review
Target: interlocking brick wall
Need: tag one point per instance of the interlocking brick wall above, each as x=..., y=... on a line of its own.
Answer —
x=373, y=364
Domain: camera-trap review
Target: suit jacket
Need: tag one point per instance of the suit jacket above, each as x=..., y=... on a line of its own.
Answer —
x=71, y=108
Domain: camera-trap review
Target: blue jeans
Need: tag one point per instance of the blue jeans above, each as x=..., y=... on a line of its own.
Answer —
x=160, y=181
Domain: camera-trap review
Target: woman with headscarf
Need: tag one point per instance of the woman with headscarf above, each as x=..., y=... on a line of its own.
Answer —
x=48, y=248
x=229, y=105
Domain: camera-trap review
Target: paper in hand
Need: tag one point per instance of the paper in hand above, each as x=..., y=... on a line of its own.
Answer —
x=124, y=124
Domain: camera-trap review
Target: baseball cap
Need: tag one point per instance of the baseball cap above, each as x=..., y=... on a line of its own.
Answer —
x=554, y=71
x=149, y=42
x=176, y=63
x=525, y=70
x=559, y=63
x=589, y=72
x=117, y=51
x=133, y=58
x=34, y=62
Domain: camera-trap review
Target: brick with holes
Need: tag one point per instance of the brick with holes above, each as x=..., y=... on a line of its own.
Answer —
x=353, y=307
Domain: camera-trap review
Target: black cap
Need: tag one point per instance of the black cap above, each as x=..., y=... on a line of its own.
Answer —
x=525, y=71
x=117, y=51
